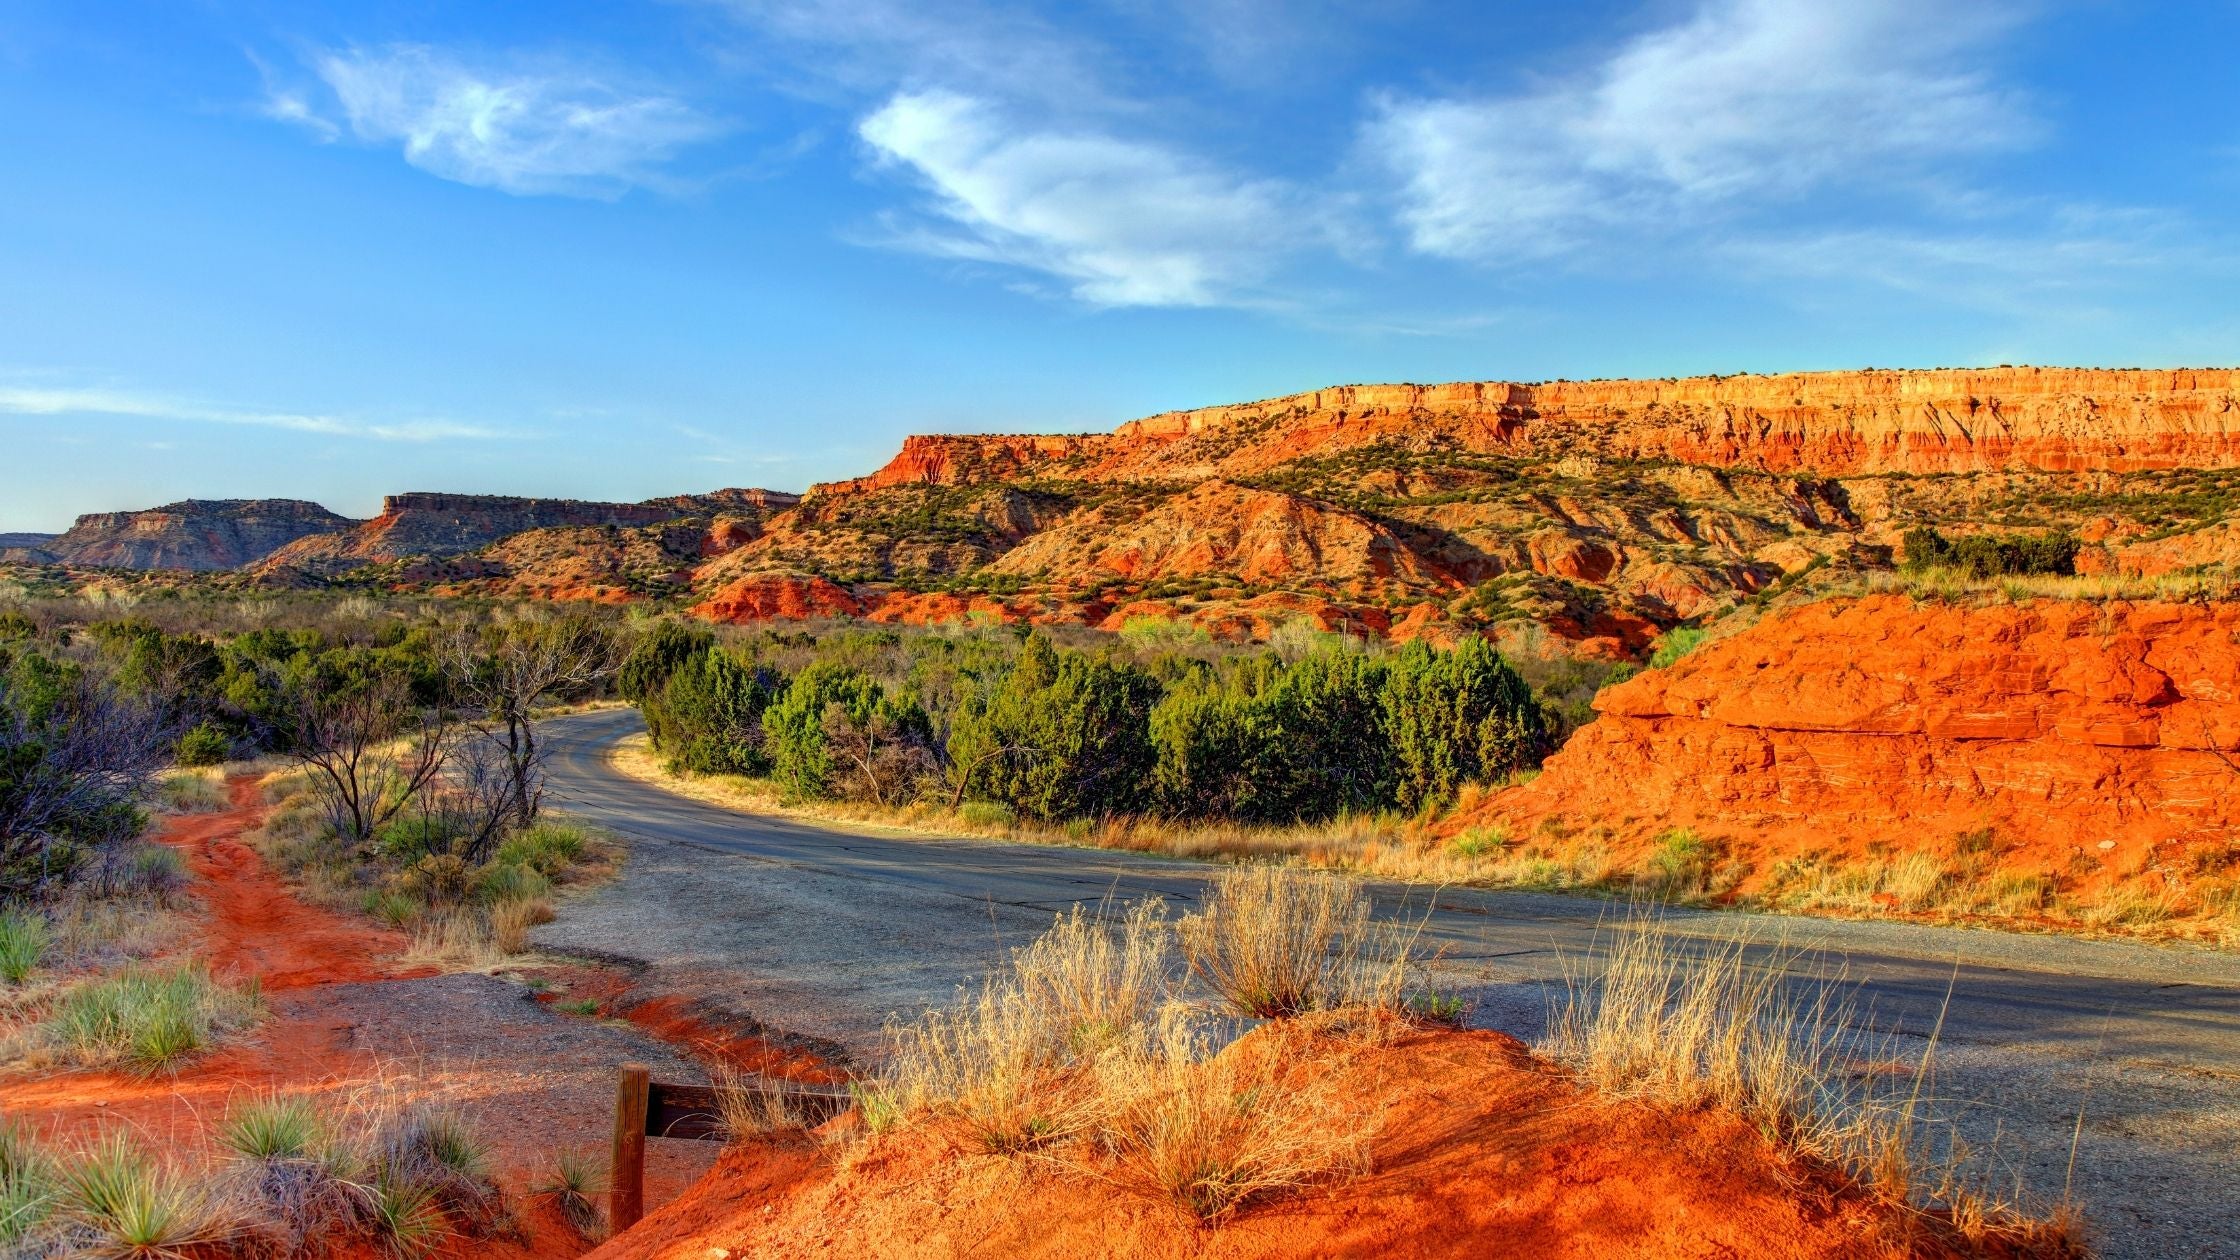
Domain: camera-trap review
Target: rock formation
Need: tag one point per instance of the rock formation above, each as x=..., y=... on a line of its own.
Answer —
x=194, y=534
x=2089, y=741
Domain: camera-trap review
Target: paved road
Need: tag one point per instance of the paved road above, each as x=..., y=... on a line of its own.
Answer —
x=825, y=932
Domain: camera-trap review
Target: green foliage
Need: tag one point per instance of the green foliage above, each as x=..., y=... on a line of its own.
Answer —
x=1268, y=741
x=657, y=656
x=1457, y=717
x=829, y=702
x=24, y=937
x=204, y=744
x=708, y=715
x=29, y=1188
x=548, y=848
x=1062, y=735
x=1991, y=555
x=1674, y=644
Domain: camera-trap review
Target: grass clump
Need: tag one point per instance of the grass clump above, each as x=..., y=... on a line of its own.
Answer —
x=1276, y=942
x=574, y=1184
x=24, y=937
x=147, y=1017
x=133, y=1205
x=30, y=1190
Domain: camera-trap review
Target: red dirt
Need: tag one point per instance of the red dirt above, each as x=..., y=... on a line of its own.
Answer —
x=257, y=928
x=678, y=1022
x=1481, y=1151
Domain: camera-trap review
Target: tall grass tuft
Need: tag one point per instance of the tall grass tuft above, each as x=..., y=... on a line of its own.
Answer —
x=24, y=937
x=139, y=1207
x=1278, y=942
x=30, y=1189
x=574, y=1184
x=149, y=1017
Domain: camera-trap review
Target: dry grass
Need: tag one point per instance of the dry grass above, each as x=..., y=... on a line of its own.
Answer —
x=1276, y=942
x=753, y=1105
x=1687, y=1024
x=147, y=1018
x=1954, y=584
x=1084, y=1051
x=199, y=791
x=1211, y=1130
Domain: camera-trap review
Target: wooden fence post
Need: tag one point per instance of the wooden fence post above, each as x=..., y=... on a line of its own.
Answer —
x=626, y=1170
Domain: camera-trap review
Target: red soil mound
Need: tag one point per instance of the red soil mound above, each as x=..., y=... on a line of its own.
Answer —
x=2095, y=740
x=1480, y=1150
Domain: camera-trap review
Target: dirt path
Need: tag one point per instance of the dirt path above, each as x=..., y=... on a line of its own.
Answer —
x=343, y=1015
x=257, y=927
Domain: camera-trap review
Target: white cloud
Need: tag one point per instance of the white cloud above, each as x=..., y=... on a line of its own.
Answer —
x=1122, y=222
x=552, y=129
x=33, y=401
x=1746, y=101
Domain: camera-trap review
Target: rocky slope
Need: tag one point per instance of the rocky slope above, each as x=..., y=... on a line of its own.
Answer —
x=2085, y=744
x=23, y=548
x=194, y=534
x=1603, y=510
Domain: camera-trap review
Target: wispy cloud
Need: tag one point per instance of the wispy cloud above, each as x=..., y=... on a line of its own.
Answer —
x=36, y=401
x=1745, y=101
x=527, y=129
x=1120, y=222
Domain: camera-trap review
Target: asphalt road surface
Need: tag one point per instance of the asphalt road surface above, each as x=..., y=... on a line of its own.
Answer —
x=825, y=932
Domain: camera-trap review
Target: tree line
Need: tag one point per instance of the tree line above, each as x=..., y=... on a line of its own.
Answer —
x=1056, y=732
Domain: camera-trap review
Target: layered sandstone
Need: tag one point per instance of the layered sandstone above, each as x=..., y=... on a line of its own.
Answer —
x=2095, y=742
x=194, y=534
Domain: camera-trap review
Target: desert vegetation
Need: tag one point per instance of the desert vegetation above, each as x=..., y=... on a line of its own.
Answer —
x=288, y=1175
x=1211, y=1062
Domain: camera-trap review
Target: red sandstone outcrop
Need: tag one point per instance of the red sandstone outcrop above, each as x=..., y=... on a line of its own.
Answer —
x=778, y=597
x=2096, y=741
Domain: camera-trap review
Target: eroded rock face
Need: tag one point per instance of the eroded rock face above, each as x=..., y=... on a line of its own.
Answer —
x=194, y=534
x=778, y=597
x=2091, y=739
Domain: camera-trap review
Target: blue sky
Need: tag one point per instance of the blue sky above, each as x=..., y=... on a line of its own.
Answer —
x=612, y=250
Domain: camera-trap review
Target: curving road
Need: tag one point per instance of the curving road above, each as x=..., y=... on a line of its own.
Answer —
x=825, y=932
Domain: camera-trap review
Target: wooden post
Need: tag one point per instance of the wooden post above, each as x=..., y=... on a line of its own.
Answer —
x=626, y=1171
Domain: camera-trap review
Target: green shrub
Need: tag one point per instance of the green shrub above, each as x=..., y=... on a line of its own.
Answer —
x=24, y=937
x=1674, y=644
x=1680, y=865
x=413, y=837
x=139, y=1207
x=1991, y=555
x=1457, y=717
x=203, y=745
x=499, y=882
x=829, y=701
x=1062, y=735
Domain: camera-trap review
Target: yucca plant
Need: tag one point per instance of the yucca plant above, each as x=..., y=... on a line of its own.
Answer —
x=139, y=1207
x=28, y=1189
x=576, y=1178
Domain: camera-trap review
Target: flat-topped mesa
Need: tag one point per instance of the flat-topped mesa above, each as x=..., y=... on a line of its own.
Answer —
x=1831, y=423
x=193, y=534
x=951, y=459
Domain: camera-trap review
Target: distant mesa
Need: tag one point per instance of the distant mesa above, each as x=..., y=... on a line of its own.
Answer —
x=199, y=535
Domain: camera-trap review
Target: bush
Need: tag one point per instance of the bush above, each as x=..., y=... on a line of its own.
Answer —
x=837, y=731
x=987, y=814
x=203, y=745
x=1674, y=644
x=1457, y=717
x=1062, y=735
x=1991, y=555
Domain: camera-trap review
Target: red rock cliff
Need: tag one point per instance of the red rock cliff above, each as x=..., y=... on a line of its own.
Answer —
x=1833, y=423
x=2099, y=740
